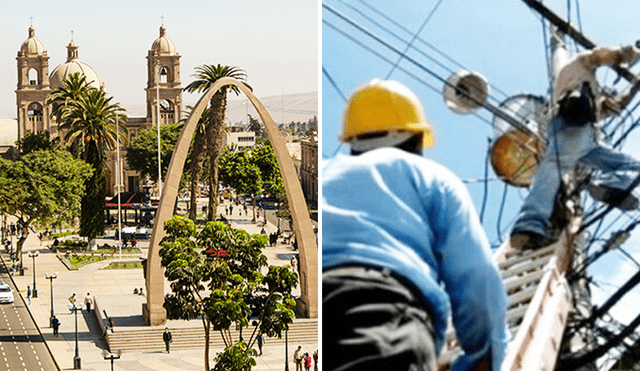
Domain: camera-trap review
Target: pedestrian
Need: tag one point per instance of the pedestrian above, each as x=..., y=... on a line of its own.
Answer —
x=578, y=105
x=88, y=302
x=166, y=337
x=307, y=362
x=40, y=237
x=134, y=242
x=55, y=323
x=72, y=299
x=298, y=355
x=261, y=342
x=226, y=210
x=315, y=360
x=29, y=294
x=410, y=254
x=230, y=209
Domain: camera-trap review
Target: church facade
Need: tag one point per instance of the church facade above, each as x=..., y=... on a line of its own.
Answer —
x=35, y=83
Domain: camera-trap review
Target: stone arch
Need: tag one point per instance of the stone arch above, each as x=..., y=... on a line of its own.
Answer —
x=153, y=311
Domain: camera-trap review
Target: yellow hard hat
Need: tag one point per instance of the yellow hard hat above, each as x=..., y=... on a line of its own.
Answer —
x=385, y=106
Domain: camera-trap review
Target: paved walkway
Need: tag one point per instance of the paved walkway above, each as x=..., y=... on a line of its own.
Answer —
x=113, y=288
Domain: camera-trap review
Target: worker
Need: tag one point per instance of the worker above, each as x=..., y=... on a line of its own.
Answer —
x=403, y=247
x=573, y=139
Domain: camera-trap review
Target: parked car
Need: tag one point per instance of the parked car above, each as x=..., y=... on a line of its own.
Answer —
x=6, y=294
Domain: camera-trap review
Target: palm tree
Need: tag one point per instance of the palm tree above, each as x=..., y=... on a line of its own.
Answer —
x=73, y=87
x=206, y=76
x=198, y=150
x=89, y=122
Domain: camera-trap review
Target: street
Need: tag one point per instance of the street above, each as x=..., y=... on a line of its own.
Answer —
x=21, y=345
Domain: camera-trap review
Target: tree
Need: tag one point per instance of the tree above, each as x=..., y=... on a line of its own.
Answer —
x=142, y=154
x=196, y=159
x=265, y=159
x=74, y=86
x=89, y=122
x=215, y=275
x=239, y=170
x=255, y=126
x=206, y=76
x=35, y=141
x=44, y=186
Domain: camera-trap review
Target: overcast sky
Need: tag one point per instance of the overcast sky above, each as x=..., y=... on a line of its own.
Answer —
x=275, y=41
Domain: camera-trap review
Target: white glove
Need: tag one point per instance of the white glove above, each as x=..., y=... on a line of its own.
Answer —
x=629, y=55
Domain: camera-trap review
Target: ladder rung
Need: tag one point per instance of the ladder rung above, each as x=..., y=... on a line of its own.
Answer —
x=513, y=284
x=521, y=296
x=526, y=255
x=517, y=313
x=521, y=268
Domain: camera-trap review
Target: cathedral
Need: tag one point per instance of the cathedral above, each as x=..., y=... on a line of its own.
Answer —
x=163, y=95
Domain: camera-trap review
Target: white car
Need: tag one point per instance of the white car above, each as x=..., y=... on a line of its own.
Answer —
x=6, y=294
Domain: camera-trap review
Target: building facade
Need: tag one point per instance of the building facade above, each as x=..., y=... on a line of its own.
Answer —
x=163, y=95
x=309, y=170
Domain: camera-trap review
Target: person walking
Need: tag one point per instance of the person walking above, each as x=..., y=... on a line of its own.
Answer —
x=29, y=294
x=260, y=342
x=315, y=360
x=298, y=355
x=166, y=337
x=400, y=262
x=88, y=302
x=307, y=362
x=72, y=299
x=55, y=324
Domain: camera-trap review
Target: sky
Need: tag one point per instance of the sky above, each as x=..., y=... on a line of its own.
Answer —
x=275, y=42
x=504, y=41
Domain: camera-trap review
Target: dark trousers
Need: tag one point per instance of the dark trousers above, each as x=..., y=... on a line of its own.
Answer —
x=374, y=322
x=166, y=343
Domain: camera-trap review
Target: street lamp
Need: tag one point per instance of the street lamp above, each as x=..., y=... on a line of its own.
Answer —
x=159, y=71
x=76, y=360
x=34, y=255
x=51, y=278
x=111, y=356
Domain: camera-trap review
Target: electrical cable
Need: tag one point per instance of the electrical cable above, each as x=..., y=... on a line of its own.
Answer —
x=414, y=37
x=504, y=197
x=486, y=183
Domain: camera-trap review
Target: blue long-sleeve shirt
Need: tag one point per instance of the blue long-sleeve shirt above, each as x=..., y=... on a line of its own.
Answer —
x=390, y=209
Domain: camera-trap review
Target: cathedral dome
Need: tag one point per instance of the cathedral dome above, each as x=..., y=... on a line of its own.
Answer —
x=72, y=65
x=32, y=45
x=163, y=45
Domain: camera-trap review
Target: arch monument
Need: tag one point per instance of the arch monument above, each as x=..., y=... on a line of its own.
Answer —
x=153, y=310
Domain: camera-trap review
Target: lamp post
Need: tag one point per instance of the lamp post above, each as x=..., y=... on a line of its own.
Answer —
x=33, y=255
x=111, y=356
x=286, y=349
x=76, y=360
x=163, y=72
x=51, y=278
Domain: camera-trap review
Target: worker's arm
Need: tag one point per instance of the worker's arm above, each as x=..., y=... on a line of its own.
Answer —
x=601, y=56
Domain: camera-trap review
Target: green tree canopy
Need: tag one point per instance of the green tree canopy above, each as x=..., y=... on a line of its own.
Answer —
x=142, y=154
x=216, y=275
x=44, y=186
x=35, y=141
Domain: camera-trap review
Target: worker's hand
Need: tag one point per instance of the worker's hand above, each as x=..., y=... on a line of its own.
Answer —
x=630, y=55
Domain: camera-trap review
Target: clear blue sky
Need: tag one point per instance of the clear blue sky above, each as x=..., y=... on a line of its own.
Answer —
x=275, y=41
x=501, y=39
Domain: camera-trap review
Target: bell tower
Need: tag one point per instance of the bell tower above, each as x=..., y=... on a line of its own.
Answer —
x=164, y=91
x=33, y=87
